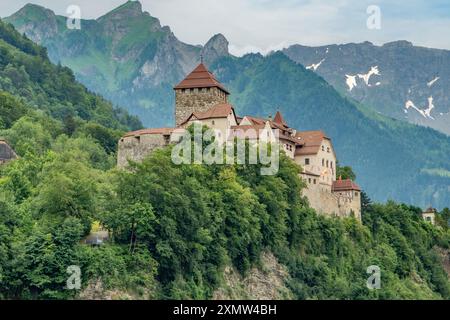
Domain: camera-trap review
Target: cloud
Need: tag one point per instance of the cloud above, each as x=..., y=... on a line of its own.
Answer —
x=266, y=25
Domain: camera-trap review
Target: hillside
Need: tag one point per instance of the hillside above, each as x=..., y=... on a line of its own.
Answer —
x=396, y=79
x=393, y=160
x=191, y=232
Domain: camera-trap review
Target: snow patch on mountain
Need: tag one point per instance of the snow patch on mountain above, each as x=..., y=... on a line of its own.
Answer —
x=429, y=84
x=315, y=66
x=351, y=79
x=426, y=113
x=351, y=82
x=366, y=77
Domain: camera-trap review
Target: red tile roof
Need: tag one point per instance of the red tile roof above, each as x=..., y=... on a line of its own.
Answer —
x=312, y=141
x=430, y=210
x=163, y=131
x=344, y=185
x=222, y=110
x=200, y=78
x=256, y=121
x=279, y=119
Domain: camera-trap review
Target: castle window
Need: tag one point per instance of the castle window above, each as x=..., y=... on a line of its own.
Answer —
x=183, y=90
x=138, y=138
x=213, y=122
x=307, y=161
x=323, y=148
x=331, y=164
x=208, y=89
x=327, y=163
x=309, y=180
x=167, y=139
x=323, y=162
x=315, y=181
x=328, y=149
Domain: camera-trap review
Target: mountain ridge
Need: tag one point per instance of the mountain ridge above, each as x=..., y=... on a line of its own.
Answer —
x=398, y=79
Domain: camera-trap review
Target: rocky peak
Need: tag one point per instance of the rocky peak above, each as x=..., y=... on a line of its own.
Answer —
x=215, y=48
x=129, y=9
x=37, y=22
x=33, y=10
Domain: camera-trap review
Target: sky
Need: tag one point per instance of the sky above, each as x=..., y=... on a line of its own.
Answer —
x=266, y=25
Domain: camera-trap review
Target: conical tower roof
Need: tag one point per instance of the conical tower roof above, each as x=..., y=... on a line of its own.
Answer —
x=200, y=78
x=279, y=119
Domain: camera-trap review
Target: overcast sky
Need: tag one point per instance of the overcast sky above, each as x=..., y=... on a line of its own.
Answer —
x=264, y=25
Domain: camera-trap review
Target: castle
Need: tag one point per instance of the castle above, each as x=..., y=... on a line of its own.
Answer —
x=201, y=98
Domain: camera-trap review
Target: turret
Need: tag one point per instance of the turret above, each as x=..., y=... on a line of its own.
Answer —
x=198, y=92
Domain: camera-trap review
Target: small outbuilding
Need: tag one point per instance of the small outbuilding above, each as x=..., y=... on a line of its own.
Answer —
x=429, y=215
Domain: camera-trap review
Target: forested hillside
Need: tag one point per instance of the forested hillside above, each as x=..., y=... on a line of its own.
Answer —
x=174, y=229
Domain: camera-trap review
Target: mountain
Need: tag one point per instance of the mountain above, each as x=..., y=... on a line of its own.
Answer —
x=397, y=79
x=125, y=55
x=136, y=62
x=27, y=74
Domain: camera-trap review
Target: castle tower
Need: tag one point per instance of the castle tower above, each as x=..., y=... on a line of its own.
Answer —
x=198, y=92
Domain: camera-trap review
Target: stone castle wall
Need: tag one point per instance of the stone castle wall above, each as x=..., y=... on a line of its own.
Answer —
x=326, y=202
x=136, y=148
x=196, y=100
